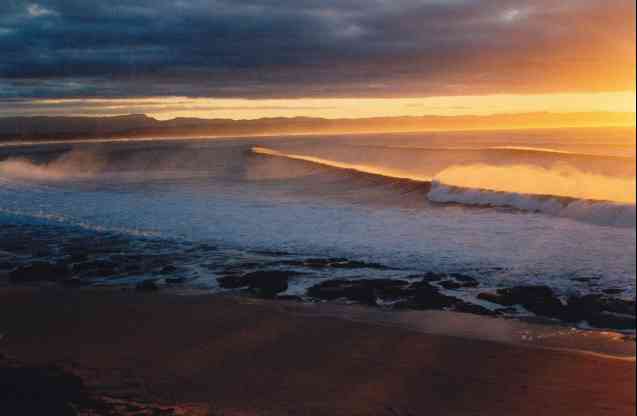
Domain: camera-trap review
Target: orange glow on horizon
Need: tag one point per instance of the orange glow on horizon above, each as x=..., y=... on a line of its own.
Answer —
x=164, y=108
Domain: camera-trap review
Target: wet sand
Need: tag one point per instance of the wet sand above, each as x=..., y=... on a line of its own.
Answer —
x=229, y=356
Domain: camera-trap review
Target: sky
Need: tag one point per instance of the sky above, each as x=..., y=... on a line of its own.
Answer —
x=326, y=58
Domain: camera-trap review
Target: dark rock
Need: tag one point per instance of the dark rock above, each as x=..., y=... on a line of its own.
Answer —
x=621, y=306
x=343, y=289
x=494, y=298
x=596, y=303
x=39, y=272
x=391, y=289
x=232, y=281
x=147, y=286
x=364, y=291
x=428, y=297
x=537, y=299
x=268, y=283
x=598, y=310
x=466, y=307
x=450, y=284
x=262, y=283
x=459, y=284
x=601, y=311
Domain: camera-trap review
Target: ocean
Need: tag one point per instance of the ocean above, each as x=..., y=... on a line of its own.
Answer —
x=506, y=208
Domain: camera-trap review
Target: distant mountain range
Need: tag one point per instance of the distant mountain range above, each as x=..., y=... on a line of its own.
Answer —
x=139, y=125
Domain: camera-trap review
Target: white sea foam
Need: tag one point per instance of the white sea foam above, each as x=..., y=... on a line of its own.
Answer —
x=594, y=212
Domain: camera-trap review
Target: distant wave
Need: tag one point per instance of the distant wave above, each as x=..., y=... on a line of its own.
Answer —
x=556, y=151
x=591, y=211
x=514, y=149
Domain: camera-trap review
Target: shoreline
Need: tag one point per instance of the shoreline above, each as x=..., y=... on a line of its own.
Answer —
x=531, y=333
x=240, y=356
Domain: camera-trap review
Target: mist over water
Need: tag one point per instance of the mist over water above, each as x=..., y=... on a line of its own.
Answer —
x=562, y=180
x=541, y=207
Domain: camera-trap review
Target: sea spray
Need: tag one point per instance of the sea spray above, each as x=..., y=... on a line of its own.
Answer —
x=560, y=180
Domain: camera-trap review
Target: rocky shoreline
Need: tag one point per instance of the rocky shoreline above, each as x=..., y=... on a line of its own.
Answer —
x=45, y=254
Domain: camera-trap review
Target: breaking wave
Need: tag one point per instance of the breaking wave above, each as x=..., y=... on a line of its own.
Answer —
x=594, y=199
x=591, y=211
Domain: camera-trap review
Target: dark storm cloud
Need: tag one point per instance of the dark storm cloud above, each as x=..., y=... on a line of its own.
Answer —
x=301, y=48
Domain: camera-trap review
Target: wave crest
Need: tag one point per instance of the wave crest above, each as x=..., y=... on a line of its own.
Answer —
x=367, y=169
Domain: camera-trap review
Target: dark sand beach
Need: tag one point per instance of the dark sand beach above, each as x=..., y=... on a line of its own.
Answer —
x=112, y=352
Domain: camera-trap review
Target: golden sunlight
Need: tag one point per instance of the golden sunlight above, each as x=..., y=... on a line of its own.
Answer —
x=172, y=107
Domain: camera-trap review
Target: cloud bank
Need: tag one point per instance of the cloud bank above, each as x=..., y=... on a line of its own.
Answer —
x=313, y=48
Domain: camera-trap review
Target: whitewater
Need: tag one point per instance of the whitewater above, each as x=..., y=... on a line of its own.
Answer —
x=554, y=207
